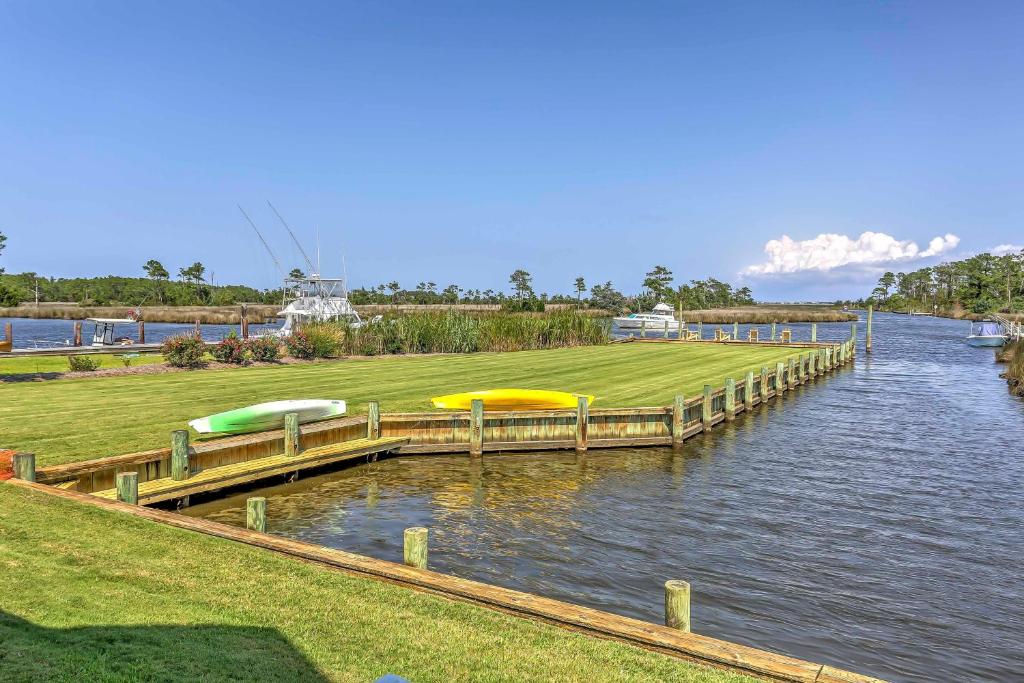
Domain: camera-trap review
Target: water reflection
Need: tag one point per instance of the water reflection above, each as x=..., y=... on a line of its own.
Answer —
x=870, y=520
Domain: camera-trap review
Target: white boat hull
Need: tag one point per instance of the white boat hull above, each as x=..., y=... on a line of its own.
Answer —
x=651, y=325
x=986, y=340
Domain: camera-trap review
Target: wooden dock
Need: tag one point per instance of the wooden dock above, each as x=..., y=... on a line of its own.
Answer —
x=215, y=478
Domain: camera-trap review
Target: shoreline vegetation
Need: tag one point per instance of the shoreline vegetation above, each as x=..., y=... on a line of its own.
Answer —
x=231, y=315
x=1013, y=355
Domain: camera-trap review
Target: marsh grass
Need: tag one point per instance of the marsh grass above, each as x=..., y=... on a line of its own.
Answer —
x=458, y=332
x=761, y=315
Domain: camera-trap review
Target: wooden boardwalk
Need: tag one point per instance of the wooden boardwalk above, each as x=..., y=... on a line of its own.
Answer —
x=166, y=488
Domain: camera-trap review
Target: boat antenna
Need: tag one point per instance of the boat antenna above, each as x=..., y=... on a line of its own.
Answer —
x=260, y=235
x=294, y=239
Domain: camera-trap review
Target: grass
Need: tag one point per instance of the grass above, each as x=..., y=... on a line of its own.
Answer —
x=50, y=364
x=79, y=419
x=96, y=595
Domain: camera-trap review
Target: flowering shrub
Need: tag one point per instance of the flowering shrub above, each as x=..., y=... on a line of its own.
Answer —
x=229, y=350
x=299, y=345
x=263, y=349
x=184, y=351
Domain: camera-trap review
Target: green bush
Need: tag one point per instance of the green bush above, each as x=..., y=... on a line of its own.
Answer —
x=316, y=340
x=184, y=351
x=83, y=363
x=229, y=350
x=263, y=349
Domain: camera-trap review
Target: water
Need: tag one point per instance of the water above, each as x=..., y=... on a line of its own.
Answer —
x=30, y=333
x=871, y=520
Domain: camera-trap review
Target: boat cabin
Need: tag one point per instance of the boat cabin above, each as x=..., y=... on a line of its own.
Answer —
x=103, y=331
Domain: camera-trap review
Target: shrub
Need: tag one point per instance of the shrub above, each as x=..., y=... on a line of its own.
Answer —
x=184, y=351
x=83, y=363
x=299, y=345
x=229, y=350
x=263, y=349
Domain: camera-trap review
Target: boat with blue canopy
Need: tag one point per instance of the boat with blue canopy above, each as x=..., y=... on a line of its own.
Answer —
x=986, y=333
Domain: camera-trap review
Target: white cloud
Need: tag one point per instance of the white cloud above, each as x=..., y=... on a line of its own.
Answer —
x=828, y=251
x=1004, y=249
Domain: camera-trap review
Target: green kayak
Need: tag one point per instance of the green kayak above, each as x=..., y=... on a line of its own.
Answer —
x=264, y=416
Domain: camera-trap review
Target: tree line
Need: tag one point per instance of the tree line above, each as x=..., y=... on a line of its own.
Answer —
x=985, y=283
x=191, y=287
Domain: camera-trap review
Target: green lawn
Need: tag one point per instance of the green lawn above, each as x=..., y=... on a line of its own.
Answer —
x=94, y=595
x=47, y=364
x=68, y=420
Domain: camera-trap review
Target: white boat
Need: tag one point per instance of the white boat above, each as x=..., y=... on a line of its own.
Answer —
x=986, y=333
x=103, y=331
x=656, y=319
x=316, y=299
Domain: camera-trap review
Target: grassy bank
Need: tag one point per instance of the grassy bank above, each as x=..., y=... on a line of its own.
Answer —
x=78, y=419
x=1013, y=355
x=43, y=365
x=765, y=315
x=93, y=595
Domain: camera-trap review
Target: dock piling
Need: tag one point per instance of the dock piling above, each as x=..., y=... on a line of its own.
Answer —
x=730, y=399
x=142, y=331
x=476, y=427
x=415, y=547
x=700, y=329
x=706, y=413
x=243, y=319
x=853, y=330
x=128, y=487
x=764, y=384
x=179, y=455
x=814, y=332
x=867, y=336
x=736, y=330
x=373, y=420
x=780, y=380
x=24, y=466
x=677, y=605
x=666, y=329
x=582, y=423
x=748, y=391
x=256, y=514
x=790, y=373
x=773, y=330
x=291, y=434
x=78, y=333
x=678, y=420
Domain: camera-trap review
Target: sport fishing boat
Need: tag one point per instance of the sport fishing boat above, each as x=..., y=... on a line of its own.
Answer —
x=986, y=333
x=656, y=319
x=316, y=299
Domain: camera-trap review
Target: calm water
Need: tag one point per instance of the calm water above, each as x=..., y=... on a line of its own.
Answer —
x=29, y=333
x=872, y=520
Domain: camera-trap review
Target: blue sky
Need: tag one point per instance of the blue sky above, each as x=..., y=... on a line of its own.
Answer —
x=455, y=142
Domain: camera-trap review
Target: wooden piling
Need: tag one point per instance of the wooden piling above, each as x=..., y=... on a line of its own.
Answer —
x=853, y=330
x=9, y=332
x=128, y=487
x=814, y=332
x=243, y=319
x=476, y=427
x=78, y=333
x=24, y=466
x=822, y=367
x=666, y=329
x=179, y=455
x=678, y=420
x=764, y=384
x=643, y=328
x=142, y=331
x=867, y=335
x=582, y=423
x=705, y=413
x=811, y=370
x=677, y=605
x=730, y=399
x=700, y=329
x=780, y=380
x=748, y=391
x=736, y=330
x=373, y=420
x=773, y=330
x=256, y=514
x=292, y=446
x=415, y=547
x=199, y=330
x=791, y=373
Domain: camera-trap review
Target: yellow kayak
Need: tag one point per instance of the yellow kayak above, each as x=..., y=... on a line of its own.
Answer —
x=510, y=399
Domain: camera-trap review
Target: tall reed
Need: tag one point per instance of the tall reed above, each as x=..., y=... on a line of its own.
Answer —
x=457, y=332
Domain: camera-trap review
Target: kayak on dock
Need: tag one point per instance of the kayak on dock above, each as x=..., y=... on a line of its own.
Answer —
x=264, y=416
x=511, y=399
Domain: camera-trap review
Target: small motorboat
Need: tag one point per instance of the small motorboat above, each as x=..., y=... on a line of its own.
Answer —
x=656, y=319
x=264, y=416
x=511, y=399
x=986, y=333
